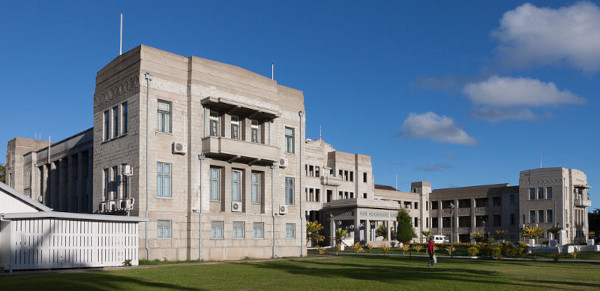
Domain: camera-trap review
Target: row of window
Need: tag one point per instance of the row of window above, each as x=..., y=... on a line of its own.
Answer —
x=543, y=216
x=540, y=193
x=164, y=229
x=116, y=185
x=313, y=194
x=466, y=203
x=235, y=127
x=216, y=177
x=465, y=221
x=115, y=121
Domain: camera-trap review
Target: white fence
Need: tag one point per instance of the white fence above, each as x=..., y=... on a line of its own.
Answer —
x=50, y=243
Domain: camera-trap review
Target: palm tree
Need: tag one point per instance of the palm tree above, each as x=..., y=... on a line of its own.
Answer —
x=340, y=234
x=311, y=228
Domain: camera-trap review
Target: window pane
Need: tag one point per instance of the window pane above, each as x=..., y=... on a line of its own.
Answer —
x=531, y=193
x=106, y=125
x=550, y=216
x=116, y=121
x=259, y=230
x=532, y=216
x=255, y=187
x=163, y=228
x=217, y=229
x=289, y=140
x=164, y=116
x=549, y=193
x=289, y=191
x=290, y=230
x=125, y=117
x=214, y=184
x=238, y=229
x=235, y=186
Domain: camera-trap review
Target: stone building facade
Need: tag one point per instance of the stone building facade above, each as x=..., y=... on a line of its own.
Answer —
x=216, y=157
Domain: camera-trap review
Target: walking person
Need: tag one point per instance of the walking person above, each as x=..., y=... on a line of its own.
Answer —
x=431, y=252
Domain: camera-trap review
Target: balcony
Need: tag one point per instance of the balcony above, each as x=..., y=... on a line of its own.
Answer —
x=583, y=203
x=260, y=111
x=234, y=150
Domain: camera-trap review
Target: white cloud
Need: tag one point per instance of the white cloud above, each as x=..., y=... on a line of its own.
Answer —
x=499, y=114
x=438, y=128
x=538, y=36
x=509, y=92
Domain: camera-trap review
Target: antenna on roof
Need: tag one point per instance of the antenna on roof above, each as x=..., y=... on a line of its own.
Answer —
x=121, y=36
x=272, y=71
x=320, y=136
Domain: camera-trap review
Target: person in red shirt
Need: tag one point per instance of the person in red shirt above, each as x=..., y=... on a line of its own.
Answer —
x=431, y=252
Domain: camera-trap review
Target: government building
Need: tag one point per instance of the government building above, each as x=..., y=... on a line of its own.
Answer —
x=216, y=158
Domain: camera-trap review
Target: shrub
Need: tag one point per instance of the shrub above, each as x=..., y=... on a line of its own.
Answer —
x=497, y=252
x=369, y=246
x=478, y=236
x=508, y=249
x=450, y=250
x=321, y=250
x=404, y=248
x=385, y=248
x=485, y=250
x=417, y=247
x=338, y=247
x=555, y=257
x=473, y=251
x=127, y=263
x=381, y=231
x=574, y=254
x=357, y=248
x=520, y=252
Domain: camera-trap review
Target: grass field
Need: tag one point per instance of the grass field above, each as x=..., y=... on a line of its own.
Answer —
x=343, y=273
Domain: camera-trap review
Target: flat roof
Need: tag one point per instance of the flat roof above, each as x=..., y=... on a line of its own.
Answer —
x=74, y=216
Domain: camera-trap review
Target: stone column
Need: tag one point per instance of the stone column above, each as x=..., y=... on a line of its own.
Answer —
x=356, y=227
x=90, y=175
x=71, y=199
x=332, y=231
x=54, y=186
x=389, y=230
x=80, y=189
x=368, y=230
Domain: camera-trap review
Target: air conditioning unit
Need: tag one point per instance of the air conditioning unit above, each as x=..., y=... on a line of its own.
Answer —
x=127, y=204
x=283, y=163
x=127, y=170
x=236, y=206
x=283, y=209
x=111, y=205
x=179, y=148
x=102, y=206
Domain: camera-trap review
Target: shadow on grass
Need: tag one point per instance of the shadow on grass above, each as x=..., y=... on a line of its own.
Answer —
x=394, y=270
x=95, y=280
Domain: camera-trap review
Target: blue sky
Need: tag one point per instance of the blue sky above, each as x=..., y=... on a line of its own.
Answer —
x=456, y=93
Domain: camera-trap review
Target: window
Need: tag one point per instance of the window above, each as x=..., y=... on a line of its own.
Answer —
x=116, y=121
x=512, y=219
x=549, y=193
x=416, y=205
x=464, y=221
x=164, y=116
x=115, y=182
x=351, y=176
x=235, y=127
x=216, y=229
x=238, y=229
x=434, y=205
x=426, y=205
x=512, y=198
x=540, y=193
x=446, y=223
x=255, y=187
x=497, y=201
x=541, y=216
x=289, y=191
x=254, y=130
x=365, y=177
x=464, y=203
x=289, y=140
x=106, y=125
x=549, y=215
x=480, y=220
x=317, y=171
x=290, y=230
x=531, y=193
x=236, y=185
x=214, y=123
x=481, y=202
x=416, y=222
x=497, y=220
x=163, y=229
x=532, y=216
x=125, y=117
x=106, y=184
x=215, y=182
x=434, y=222
x=259, y=230
x=163, y=178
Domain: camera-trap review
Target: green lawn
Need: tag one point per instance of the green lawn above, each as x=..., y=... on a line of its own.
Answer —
x=344, y=273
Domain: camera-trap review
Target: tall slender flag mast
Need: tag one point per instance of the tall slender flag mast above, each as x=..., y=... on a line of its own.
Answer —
x=121, y=36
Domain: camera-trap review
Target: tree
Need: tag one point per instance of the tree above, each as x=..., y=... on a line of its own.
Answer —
x=381, y=231
x=311, y=228
x=594, y=221
x=532, y=232
x=2, y=173
x=340, y=234
x=426, y=234
x=500, y=234
x=405, y=229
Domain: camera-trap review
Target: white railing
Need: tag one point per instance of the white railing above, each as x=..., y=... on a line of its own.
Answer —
x=63, y=243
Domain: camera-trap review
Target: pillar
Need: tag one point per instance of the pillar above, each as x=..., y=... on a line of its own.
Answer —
x=79, y=186
x=389, y=230
x=368, y=230
x=88, y=190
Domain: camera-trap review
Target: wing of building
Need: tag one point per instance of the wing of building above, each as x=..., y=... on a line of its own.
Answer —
x=216, y=157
